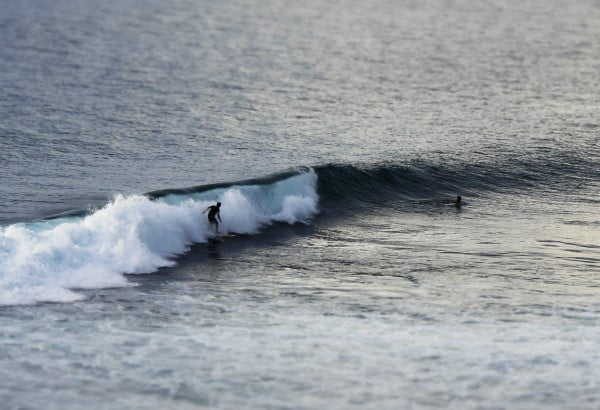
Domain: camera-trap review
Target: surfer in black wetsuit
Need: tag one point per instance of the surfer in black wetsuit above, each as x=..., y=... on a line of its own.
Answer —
x=214, y=215
x=457, y=201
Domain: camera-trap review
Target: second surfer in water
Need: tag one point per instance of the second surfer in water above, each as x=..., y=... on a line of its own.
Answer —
x=214, y=215
x=458, y=202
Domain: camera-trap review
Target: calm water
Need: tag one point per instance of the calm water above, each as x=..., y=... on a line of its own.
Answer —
x=328, y=130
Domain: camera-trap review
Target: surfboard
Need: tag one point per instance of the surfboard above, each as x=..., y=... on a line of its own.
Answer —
x=221, y=236
x=226, y=235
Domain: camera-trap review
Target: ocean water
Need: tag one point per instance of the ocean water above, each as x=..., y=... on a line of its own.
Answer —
x=333, y=133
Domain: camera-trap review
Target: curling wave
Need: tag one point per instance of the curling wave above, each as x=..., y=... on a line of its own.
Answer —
x=50, y=260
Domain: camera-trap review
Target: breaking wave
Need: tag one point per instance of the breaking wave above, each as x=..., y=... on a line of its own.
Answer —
x=48, y=261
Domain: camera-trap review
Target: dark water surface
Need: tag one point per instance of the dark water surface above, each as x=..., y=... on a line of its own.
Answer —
x=328, y=130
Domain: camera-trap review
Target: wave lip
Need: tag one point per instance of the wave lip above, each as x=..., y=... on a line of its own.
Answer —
x=48, y=261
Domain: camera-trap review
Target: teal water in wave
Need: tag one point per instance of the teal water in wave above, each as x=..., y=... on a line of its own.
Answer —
x=334, y=134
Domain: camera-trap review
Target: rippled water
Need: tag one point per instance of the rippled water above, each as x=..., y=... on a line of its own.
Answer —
x=381, y=298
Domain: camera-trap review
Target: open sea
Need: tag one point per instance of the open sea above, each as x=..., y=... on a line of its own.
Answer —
x=334, y=133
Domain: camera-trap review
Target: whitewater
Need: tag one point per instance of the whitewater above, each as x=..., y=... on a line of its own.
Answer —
x=44, y=261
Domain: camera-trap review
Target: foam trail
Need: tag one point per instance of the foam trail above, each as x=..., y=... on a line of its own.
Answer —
x=50, y=260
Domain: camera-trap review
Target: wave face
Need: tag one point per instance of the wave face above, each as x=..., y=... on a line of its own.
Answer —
x=344, y=186
x=47, y=261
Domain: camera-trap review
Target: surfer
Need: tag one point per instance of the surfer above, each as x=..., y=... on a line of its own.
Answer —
x=456, y=201
x=214, y=215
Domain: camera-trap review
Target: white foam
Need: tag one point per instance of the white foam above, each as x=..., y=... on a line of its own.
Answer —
x=47, y=261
